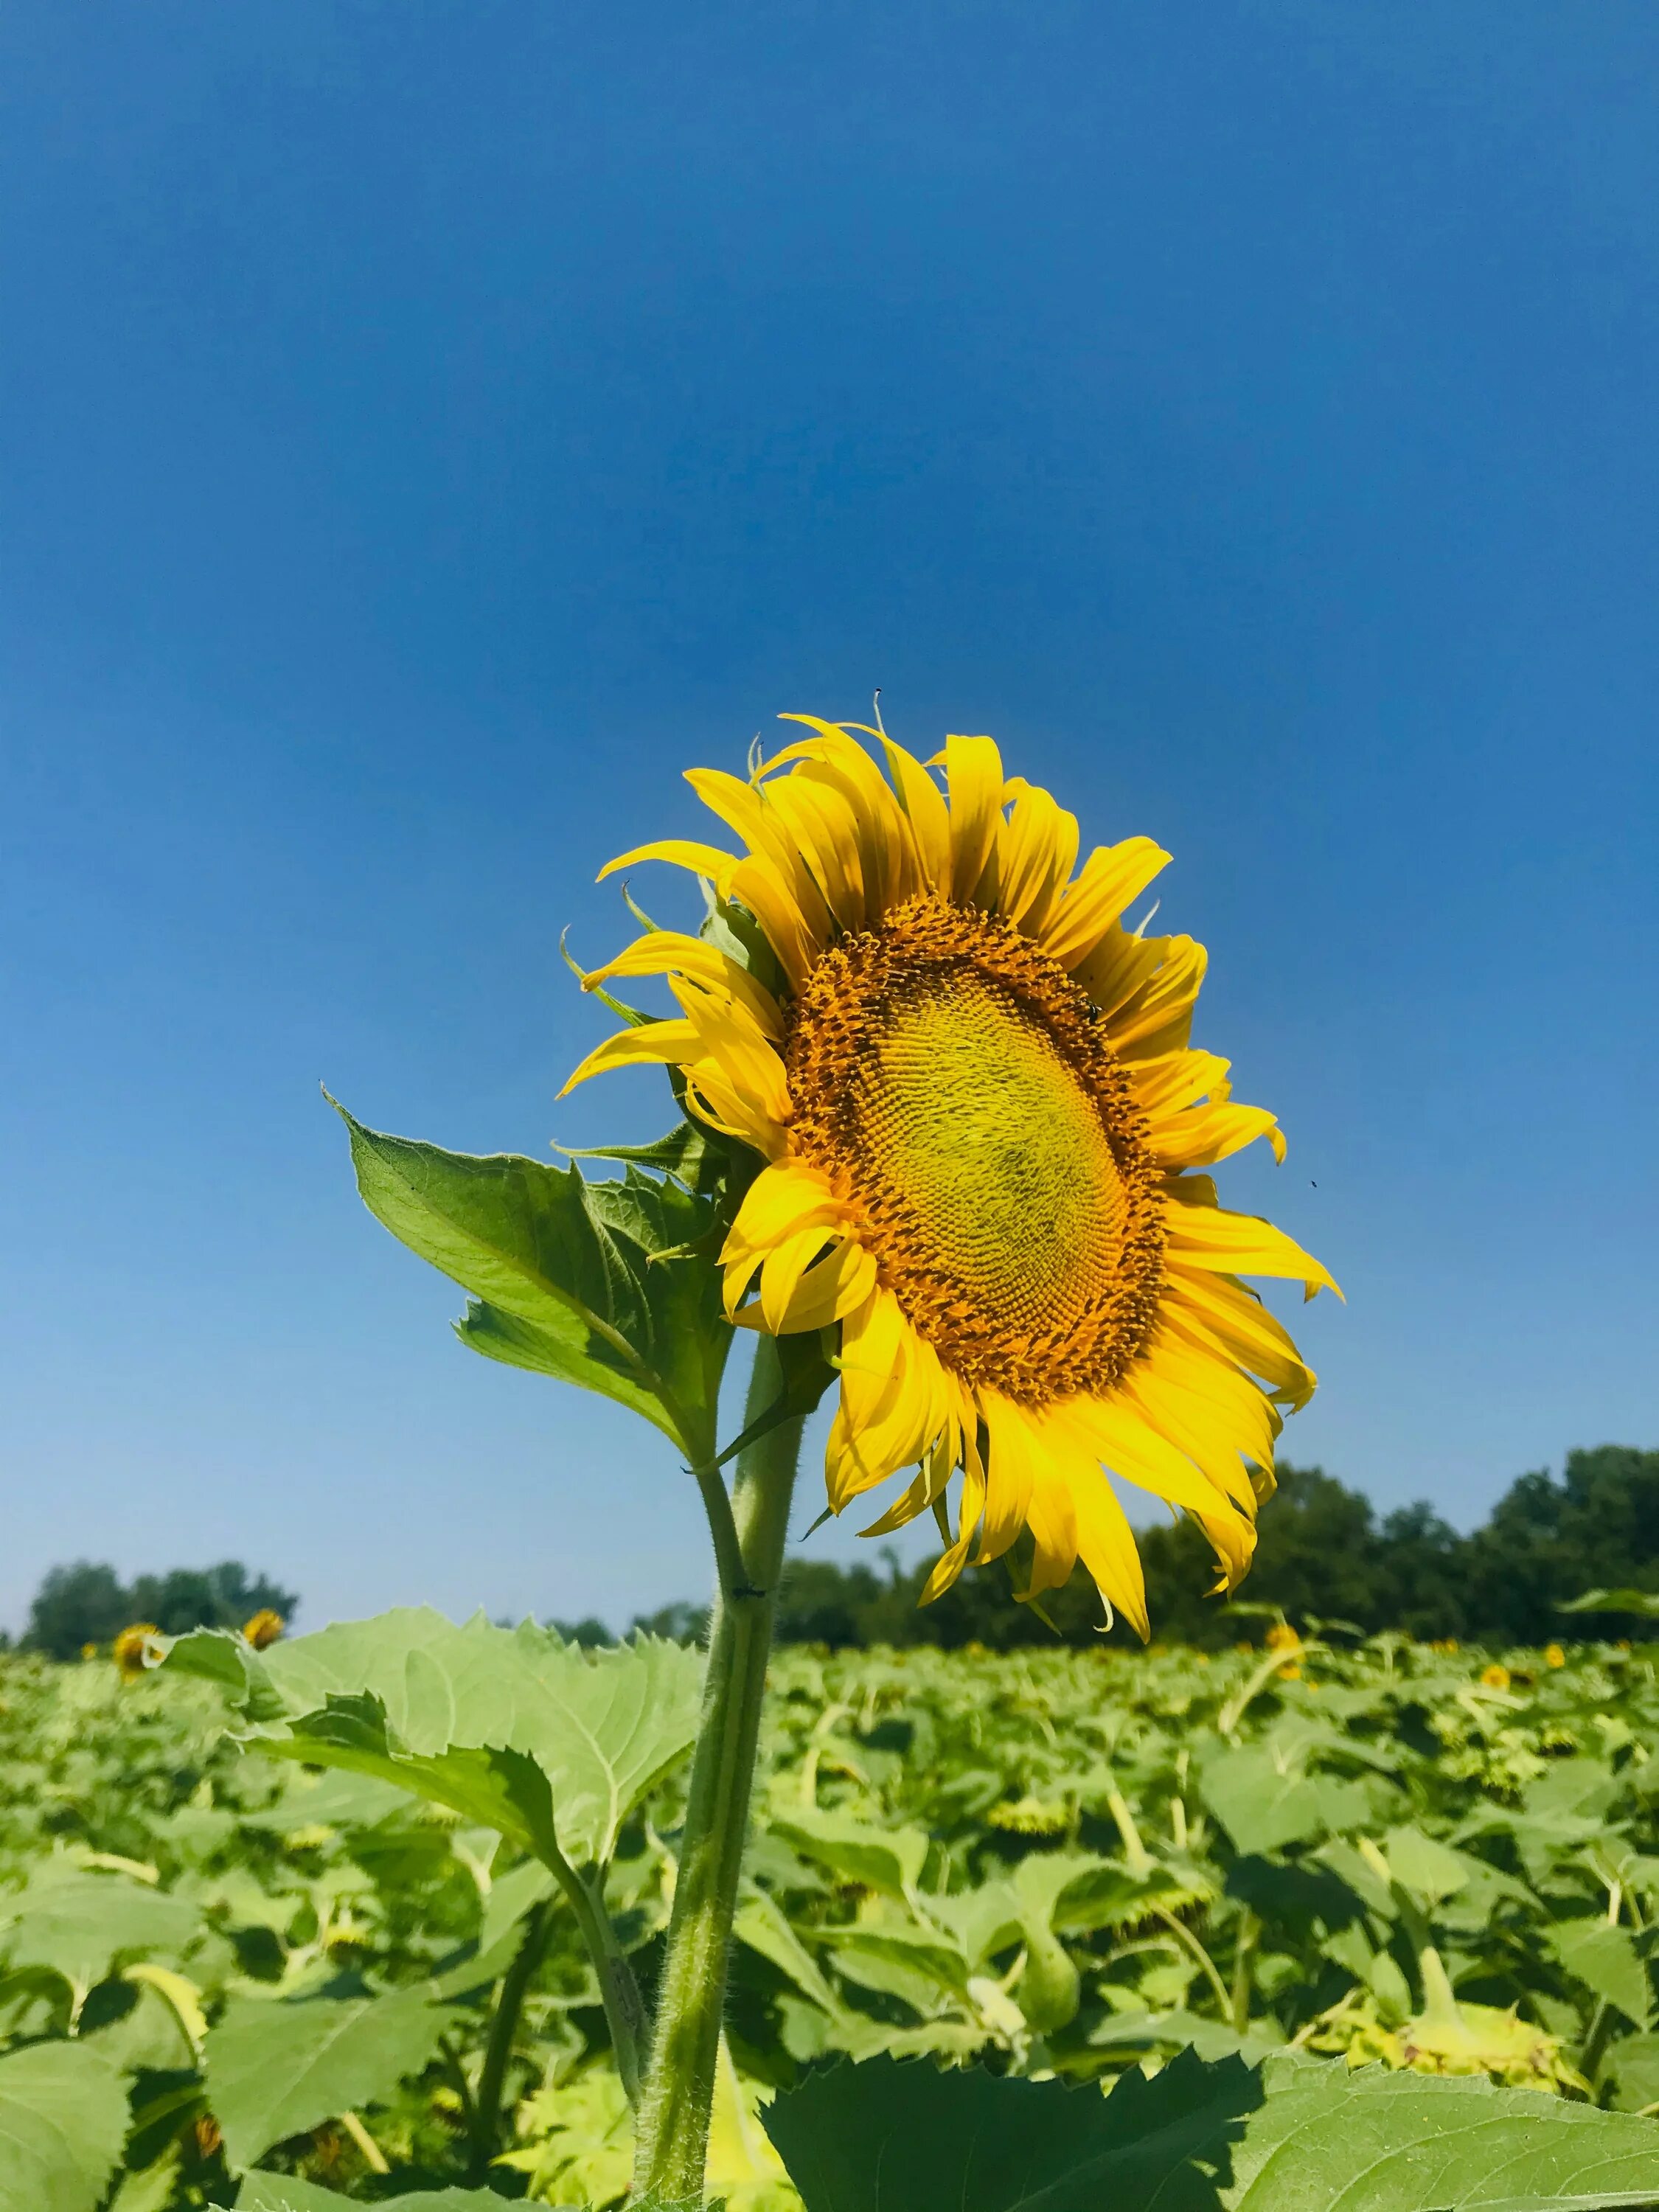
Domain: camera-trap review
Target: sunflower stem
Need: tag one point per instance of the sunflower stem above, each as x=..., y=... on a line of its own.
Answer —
x=672, y=2137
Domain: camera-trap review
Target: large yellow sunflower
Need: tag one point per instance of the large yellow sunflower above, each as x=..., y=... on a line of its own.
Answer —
x=979, y=1112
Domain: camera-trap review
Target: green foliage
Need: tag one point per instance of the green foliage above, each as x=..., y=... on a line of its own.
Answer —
x=1040, y=1866
x=89, y=1603
x=1221, y=2137
x=606, y=1285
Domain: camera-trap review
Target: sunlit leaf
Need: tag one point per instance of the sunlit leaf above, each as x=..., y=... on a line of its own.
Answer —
x=612, y=1286
x=511, y=1728
x=63, y=2119
x=275, y=2067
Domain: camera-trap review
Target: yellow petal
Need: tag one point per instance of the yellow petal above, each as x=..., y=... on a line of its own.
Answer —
x=1011, y=1470
x=1219, y=1315
x=673, y=953
x=1176, y=1079
x=793, y=935
x=1238, y=1245
x=973, y=774
x=1037, y=849
x=928, y=814
x=679, y=853
x=1202, y=1135
x=1112, y=876
x=745, y=808
x=652, y=1042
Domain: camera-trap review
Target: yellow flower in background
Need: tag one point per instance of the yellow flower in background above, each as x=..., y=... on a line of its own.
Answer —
x=1495, y=1677
x=88, y=1651
x=264, y=1628
x=1554, y=1655
x=1281, y=1636
x=132, y=1648
x=980, y=1121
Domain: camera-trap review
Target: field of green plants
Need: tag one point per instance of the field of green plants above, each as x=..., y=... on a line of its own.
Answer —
x=319, y=1924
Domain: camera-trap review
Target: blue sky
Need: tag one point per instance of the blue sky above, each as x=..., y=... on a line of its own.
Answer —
x=425, y=428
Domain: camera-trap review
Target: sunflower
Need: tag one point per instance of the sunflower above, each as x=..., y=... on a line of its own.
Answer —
x=979, y=1120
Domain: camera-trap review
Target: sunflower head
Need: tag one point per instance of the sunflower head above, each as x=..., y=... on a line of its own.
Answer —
x=978, y=1128
x=134, y=1650
x=264, y=1628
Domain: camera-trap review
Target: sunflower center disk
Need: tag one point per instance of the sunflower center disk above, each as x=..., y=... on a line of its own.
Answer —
x=955, y=1084
x=986, y=1141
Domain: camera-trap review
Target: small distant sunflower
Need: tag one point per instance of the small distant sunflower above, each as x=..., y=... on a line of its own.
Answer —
x=133, y=1649
x=264, y=1628
x=980, y=1118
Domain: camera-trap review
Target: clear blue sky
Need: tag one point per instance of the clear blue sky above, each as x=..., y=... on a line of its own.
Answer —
x=424, y=428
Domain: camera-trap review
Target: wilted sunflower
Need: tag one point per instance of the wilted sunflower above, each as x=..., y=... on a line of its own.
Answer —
x=972, y=1088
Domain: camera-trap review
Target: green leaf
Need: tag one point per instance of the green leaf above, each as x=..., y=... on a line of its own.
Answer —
x=1644, y=1604
x=63, y=2119
x=277, y=2067
x=901, y=1962
x=1261, y=1805
x=887, y=2137
x=596, y=1283
x=1377, y=2141
x=1606, y=1960
x=1301, y=2135
x=282, y=2192
x=889, y=1860
x=80, y=1923
x=1634, y=2063
x=511, y=1728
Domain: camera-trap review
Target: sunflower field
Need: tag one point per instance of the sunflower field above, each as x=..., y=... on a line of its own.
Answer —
x=1306, y=1923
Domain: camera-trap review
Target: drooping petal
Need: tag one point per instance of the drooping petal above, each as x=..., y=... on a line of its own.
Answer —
x=1208, y=1237
x=679, y=853
x=673, y=953
x=661, y=1043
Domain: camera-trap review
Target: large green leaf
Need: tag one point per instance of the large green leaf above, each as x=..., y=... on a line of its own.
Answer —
x=888, y=2136
x=79, y=1924
x=889, y=1860
x=512, y=1727
x=276, y=2067
x=282, y=2192
x=613, y=1286
x=63, y=2117
x=1301, y=2135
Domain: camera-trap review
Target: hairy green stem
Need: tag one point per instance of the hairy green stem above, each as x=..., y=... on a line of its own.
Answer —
x=672, y=2132
x=486, y=2113
x=619, y=1993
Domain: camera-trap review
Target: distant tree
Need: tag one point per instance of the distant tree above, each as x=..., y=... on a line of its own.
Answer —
x=89, y=1603
x=590, y=1632
x=1547, y=1541
x=74, y=1606
x=683, y=1622
x=224, y=1596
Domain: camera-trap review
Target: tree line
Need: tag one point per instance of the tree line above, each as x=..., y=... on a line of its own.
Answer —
x=87, y=1603
x=1325, y=1554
